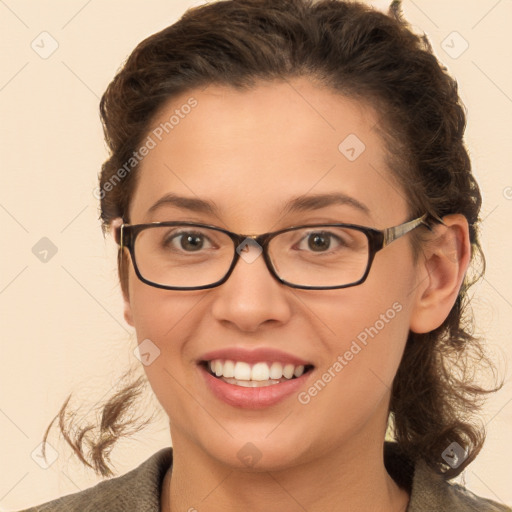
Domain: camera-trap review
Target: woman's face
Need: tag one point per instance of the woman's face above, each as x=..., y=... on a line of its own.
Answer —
x=250, y=153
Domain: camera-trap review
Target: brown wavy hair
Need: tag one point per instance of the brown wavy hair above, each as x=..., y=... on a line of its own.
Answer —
x=363, y=54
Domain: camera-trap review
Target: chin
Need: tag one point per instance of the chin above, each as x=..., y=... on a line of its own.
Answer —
x=258, y=454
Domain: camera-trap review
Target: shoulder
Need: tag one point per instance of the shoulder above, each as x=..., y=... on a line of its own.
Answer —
x=137, y=490
x=431, y=491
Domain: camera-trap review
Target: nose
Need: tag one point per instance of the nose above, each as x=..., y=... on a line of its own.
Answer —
x=251, y=296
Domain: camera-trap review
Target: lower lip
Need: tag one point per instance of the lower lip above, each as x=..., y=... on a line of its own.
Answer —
x=252, y=398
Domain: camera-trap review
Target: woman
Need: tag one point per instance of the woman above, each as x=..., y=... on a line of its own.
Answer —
x=296, y=217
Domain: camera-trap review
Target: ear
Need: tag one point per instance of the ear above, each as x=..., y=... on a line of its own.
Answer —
x=442, y=267
x=127, y=310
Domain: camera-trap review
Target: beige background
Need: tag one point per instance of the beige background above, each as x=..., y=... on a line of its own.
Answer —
x=62, y=326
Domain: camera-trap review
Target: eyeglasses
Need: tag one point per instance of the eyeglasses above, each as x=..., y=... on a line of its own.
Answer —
x=190, y=256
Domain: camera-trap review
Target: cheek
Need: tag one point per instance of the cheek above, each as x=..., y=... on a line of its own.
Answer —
x=368, y=328
x=163, y=321
x=378, y=309
x=370, y=336
x=157, y=313
x=354, y=382
x=388, y=299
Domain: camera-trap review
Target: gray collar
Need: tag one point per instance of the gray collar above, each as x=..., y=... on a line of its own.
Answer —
x=140, y=489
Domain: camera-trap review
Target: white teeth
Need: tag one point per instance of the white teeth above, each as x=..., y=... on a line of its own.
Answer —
x=276, y=371
x=228, y=369
x=299, y=370
x=288, y=371
x=260, y=371
x=242, y=370
x=243, y=374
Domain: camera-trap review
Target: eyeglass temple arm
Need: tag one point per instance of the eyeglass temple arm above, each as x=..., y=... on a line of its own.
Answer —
x=391, y=234
x=116, y=230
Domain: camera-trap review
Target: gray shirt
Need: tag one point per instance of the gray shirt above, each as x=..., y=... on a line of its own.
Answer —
x=140, y=489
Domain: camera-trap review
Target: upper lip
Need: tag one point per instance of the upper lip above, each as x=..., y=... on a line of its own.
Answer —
x=255, y=355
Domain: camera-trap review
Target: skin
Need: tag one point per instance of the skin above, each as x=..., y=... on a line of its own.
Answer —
x=249, y=152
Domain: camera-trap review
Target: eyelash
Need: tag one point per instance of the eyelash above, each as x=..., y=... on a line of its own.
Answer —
x=168, y=239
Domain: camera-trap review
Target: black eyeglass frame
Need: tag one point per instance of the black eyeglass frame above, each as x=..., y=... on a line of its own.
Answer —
x=377, y=240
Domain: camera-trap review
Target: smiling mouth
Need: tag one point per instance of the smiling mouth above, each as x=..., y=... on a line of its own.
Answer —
x=261, y=374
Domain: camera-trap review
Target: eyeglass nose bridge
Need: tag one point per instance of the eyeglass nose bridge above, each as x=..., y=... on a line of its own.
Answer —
x=263, y=242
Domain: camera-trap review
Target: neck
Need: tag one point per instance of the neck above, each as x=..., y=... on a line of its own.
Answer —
x=350, y=478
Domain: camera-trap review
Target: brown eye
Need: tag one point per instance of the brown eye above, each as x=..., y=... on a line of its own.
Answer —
x=322, y=242
x=319, y=241
x=186, y=241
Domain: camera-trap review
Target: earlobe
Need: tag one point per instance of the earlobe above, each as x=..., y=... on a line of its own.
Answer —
x=127, y=310
x=128, y=316
x=127, y=307
x=442, y=269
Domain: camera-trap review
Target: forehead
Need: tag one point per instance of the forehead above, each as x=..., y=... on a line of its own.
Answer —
x=250, y=151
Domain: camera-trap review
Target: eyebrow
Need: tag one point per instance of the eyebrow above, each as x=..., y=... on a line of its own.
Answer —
x=186, y=203
x=296, y=204
x=318, y=201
